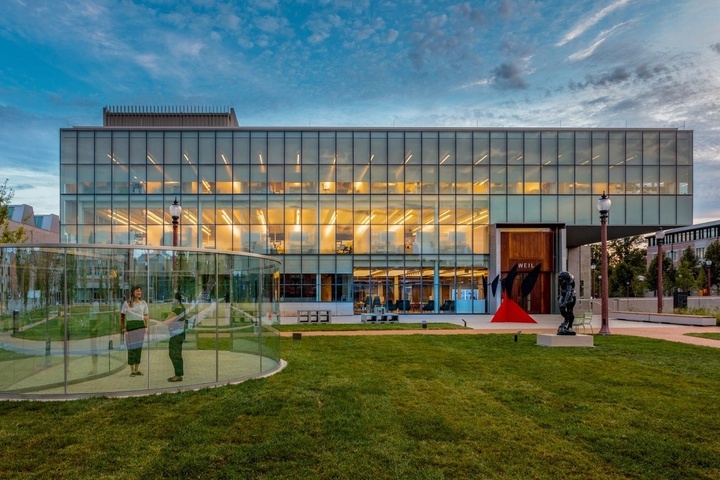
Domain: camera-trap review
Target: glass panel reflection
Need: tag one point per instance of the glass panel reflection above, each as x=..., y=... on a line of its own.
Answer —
x=77, y=317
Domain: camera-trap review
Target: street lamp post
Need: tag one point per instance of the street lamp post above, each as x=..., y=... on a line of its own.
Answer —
x=709, y=264
x=603, y=206
x=660, y=236
x=175, y=212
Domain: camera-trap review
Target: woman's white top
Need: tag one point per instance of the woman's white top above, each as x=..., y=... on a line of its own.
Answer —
x=137, y=312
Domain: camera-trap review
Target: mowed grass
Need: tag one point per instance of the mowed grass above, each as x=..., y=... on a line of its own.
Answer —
x=710, y=335
x=400, y=407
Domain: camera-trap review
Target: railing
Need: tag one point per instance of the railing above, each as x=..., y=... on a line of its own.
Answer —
x=60, y=305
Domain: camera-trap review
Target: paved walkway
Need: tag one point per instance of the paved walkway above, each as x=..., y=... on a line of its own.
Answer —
x=481, y=324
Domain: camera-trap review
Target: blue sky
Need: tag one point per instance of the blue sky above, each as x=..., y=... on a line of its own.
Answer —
x=501, y=63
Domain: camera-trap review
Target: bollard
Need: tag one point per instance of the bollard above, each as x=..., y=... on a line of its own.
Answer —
x=16, y=321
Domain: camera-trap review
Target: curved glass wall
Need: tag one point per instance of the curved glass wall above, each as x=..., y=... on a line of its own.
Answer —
x=210, y=317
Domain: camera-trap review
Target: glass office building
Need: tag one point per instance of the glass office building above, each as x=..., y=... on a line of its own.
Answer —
x=408, y=218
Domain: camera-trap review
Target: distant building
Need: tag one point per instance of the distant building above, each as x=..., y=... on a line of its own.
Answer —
x=678, y=239
x=38, y=228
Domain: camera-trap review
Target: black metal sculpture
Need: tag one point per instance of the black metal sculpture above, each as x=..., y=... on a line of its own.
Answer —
x=566, y=301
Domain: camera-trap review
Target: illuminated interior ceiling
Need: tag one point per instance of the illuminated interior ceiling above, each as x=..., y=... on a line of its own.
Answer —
x=418, y=273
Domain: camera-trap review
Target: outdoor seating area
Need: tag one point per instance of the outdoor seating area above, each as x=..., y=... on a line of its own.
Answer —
x=314, y=316
x=373, y=304
x=379, y=317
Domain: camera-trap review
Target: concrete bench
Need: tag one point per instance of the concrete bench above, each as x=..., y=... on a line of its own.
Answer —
x=385, y=317
x=671, y=318
x=314, y=316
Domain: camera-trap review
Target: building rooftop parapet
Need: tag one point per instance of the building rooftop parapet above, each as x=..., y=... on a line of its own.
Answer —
x=168, y=116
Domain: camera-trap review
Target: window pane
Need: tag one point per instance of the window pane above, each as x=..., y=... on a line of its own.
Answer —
x=566, y=148
x=206, y=148
x=430, y=148
x=481, y=148
x=327, y=148
x=172, y=152
x=310, y=148
x=549, y=148
x=651, y=152
x=549, y=179
x=549, y=210
x=497, y=148
x=599, y=148
x=668, y=148
x=582, y=148
x=532, y=148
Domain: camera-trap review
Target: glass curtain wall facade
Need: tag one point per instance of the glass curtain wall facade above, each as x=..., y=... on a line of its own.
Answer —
x=390, y=217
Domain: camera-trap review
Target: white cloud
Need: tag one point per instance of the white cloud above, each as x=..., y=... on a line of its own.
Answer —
x=589, y=22
x=38, y=189
x=586, y=52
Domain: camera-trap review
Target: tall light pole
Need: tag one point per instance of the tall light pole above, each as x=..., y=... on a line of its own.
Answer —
x=709, y=264
x=175, y=212
x=660, y=236
x=603, y=206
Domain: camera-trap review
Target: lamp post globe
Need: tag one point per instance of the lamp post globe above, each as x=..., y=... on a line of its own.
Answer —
x=603, y=206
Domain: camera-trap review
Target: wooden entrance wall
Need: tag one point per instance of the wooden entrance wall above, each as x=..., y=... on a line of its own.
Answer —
x=527, y=249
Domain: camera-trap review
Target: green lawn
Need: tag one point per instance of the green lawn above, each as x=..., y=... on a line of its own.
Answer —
x=400, y=407
x=711, y=335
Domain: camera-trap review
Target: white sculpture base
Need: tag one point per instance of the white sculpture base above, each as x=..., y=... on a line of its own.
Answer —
x=554, y=340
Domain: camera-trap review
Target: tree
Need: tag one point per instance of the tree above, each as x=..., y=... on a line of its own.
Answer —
x=688, y=270
x=668, y=275
x=626, y=262
x=701, y=281
x=690, y=260
x=629, y=250
x=6, y=235
x=622, y=281
x=684, y=279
